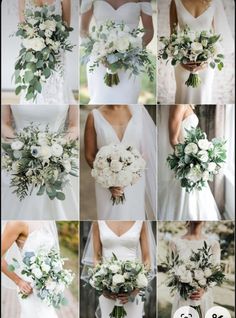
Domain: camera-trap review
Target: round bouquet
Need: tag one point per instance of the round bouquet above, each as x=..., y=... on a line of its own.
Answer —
x=197, y=160
x=118, y=165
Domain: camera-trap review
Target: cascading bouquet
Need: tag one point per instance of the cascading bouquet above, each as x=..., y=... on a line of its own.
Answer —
x=46, y=274
x=44, y=36
x=118, y=165
x=119, y=277
x=186, y=46
x=197, y=160
x=117, y=47
x=199, y=271
x=40, y=160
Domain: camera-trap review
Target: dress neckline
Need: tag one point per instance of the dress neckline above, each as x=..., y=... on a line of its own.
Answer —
x=199, y=16
x=123, y=234
x=112, y=128
x=45, y=4
x=118, y=8
x=192, y=114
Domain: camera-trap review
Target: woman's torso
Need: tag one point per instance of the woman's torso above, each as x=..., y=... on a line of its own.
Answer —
x=53, y=5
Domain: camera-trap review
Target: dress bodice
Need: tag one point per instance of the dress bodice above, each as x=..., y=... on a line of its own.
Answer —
x=125, y=247
x=128, y=13
x=189, y=122
x=202, y=22
x=43, y=115
x=55, y=6
x=184, y=248
x=106, y=133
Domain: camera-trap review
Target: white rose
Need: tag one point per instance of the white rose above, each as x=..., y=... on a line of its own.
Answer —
x=204, y=144
x=211, y=166
x=203, y=155
x=114, y=268
x=202, y=282
x=198, y=274
x=118, y=279
x=48, y=33
x=37, y=273
x=195, y=46
x=142, y=280
x=17, y=145
x=186, y=277
x=45, y=152
x=205, y=176
x=207, y=272
x=36, y=44
x=57, y=150
x=122, y=43
x=45, y=268
x=191, y=148
x=116, y=166
x=50, y=25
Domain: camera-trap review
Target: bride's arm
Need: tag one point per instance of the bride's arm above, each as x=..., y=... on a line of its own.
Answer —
x=145, y=248
x=73, y=131
x=97, y=245
x=173, y=16
x=176, y=116
x=90, y=140
x=11, y=233
x=66, y=11
x=7, y=129
x=21, y=10
x=85, y=22
x=147, y=22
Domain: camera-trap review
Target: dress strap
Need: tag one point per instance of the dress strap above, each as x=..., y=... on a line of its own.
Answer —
x=86, y=5
x=146, y=8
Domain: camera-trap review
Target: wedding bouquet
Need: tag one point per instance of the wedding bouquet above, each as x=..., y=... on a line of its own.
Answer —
x=47, y=275
x=117, y=47
x=199, y=271
x=186, y=46
x=119, y=277
x=197, y=160
x=44, y=35
x=118, y=165
x=40, y=160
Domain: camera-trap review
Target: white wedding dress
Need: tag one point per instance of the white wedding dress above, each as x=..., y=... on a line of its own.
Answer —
x=125, y=247
x=35, y=207
x=55, y=90
x=128, y=90
x=203, y=93
x=133, y=207
x=184, y=248
x=175, y=204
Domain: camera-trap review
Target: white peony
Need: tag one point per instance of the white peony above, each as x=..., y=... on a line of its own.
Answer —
x=122, y=43
x=186, y=277
x=196, y=46
x=116, y=166
x=198, y=274
x=207, y=272
x=114, y=268
x=203, y=155
x=204, y=144
x=191, y=148
x=211, y=166
x=57, y=150
x=118, y=279
x=142, y=280
x=37, y=273
x=45, y=152
x=36, y=44
x=17, y=145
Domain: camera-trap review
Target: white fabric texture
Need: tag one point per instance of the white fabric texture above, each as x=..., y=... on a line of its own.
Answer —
x=55, y=90
x=174, y=202
x=184, y=248
x=33, y=206
x=128, y=90
x=134, y=207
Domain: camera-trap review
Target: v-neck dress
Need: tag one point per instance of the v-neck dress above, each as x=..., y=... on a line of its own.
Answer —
x=133, y=207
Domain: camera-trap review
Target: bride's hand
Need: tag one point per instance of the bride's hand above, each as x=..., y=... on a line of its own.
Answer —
x=24, y=287
x=125, y=298
x=72, y=133
x=194, y=67
x=109, y=295
x=8, y=134
x=197, y=295
x=116, y=191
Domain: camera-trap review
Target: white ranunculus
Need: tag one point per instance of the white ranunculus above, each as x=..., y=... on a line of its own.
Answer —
x=118, y=279
x=57, y=150
x=211, y=166
x=203, y=155
x=207, y=272
x=122, y=43
x=114, y=268
x=17, y=145
x=191, y=148
x=36, y=44
x=45, y=152
x=37, y=273
x=116, y=166
x=198, y=274
x=196, y=46
x=202, y=282
x=45, y=268
x=142, y=280
x=204, y=144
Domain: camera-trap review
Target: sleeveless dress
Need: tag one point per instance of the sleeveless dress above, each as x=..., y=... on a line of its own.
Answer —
x=55, y=90
x=128, y=90
x=175, y=204
x=184, y=248
x=133, y=207
x=203, y=93
x=33, y=206
x=125, y=247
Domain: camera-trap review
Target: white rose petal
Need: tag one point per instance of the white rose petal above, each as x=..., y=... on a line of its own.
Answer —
x=17, y=145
